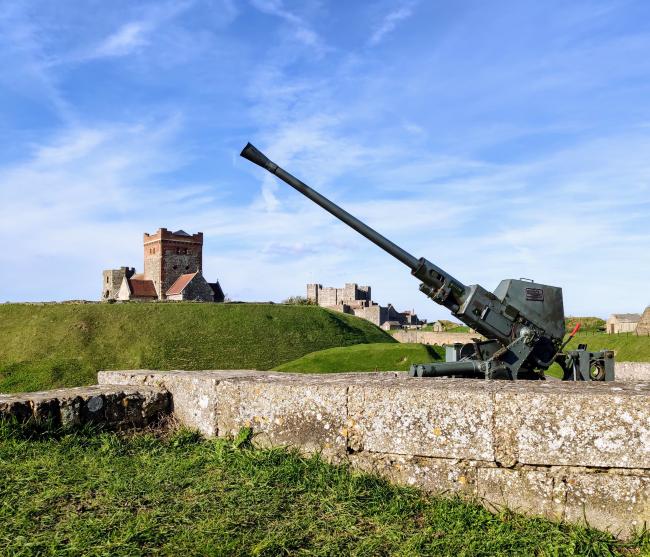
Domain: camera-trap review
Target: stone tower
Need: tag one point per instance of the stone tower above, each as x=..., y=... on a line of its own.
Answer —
x=112, y=280
x=168, y=255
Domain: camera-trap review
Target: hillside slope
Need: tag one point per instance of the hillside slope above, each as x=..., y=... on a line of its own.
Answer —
x=365, y=357
x=60, y=345
x=627, y=347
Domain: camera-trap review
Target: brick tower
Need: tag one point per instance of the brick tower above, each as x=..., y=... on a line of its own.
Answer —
x=168, y=255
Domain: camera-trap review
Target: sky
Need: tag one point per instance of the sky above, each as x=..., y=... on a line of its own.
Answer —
x=497, y=139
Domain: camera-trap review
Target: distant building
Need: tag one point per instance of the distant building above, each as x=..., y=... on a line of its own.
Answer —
x=357, y=300
x=643, y=328
x=622, y=323
x=172, y=271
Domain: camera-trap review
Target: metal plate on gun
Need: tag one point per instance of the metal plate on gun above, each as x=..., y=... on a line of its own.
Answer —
x=534, y=294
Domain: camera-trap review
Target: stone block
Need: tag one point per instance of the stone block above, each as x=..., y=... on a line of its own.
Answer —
x=114, y=406
x=436, y=475
x=70, y=410
x=573, y=424
x=283, y=410
x=450, y=419
x=530, y=492
x=632, y=371
x=617, y=503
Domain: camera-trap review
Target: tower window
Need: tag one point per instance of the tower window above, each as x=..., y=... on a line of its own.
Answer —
x=178, y=251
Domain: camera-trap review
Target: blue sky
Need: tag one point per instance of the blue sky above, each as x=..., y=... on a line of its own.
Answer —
x=498, y=139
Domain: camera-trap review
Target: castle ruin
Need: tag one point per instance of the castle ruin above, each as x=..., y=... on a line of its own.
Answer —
x=173, y=264
x=357, y=300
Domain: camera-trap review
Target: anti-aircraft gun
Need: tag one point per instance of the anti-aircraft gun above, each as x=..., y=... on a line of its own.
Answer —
x=523, y=321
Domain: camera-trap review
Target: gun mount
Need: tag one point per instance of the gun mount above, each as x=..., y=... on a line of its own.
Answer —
x=523, y=321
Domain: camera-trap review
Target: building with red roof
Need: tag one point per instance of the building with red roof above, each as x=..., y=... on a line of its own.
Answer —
x=172, y=271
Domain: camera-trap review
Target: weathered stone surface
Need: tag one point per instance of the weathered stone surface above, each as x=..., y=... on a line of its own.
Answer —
x=608, y=501
x=632, y=371
x=435, y=475
x=111, y=405
x=573, y=424
x=194, y=393
x=526, y=491
x=447, y=419
x=307, y=414
x=434, y=338
x=560, y=450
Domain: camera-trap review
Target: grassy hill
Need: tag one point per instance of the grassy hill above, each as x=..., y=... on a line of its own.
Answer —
x=365, y=357
x=628, y=348
x=60, y=345
x=399, y=357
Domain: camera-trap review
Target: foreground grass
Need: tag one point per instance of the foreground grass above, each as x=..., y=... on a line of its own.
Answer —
x=84, y=494
x=63, y=345
x=365, y=357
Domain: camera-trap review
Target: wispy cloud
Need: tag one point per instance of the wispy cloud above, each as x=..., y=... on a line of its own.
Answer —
x=389, y=22
x=302, y=31
x=127, y=38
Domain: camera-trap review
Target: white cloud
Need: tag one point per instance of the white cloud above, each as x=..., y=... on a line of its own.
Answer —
x=125, y=40
x=389, y=22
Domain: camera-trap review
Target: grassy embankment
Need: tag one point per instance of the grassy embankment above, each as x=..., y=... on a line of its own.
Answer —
x=628, y=348
x=365, y=357
x=399, y=357
x=63, y=345
x=104, y=494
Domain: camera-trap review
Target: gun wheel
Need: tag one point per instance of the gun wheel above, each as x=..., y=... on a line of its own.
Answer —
x=597, y=371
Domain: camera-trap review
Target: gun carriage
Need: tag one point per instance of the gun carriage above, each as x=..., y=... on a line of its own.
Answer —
x=522, y=321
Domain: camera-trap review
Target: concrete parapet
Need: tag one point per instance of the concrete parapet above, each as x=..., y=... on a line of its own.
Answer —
x=632, y=371
x=561, y=450
x=117, y=407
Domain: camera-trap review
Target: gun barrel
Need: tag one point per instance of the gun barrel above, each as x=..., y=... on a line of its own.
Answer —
x=254, y=155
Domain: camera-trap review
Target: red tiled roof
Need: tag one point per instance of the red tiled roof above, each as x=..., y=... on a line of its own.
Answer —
x=142, y=288
x=180, y=284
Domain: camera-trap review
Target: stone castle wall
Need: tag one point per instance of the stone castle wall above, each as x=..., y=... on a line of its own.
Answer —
x=112, y=280
x=433, y=338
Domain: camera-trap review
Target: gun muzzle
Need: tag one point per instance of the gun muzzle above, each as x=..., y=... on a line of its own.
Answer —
x=253, y=154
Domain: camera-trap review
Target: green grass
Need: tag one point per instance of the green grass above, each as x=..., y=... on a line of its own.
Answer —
x=399, y=357
x=628, y=348
x=64, y=345
x=103, y=494
x=365, y=357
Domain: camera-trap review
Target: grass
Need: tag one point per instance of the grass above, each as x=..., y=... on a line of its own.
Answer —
x=64, y=345
x=145, y=494
x=399, y=357
x=365, y=357
x=628, y=348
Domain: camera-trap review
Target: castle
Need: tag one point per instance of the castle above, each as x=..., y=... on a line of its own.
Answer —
x=357, y=300
x=172, y=271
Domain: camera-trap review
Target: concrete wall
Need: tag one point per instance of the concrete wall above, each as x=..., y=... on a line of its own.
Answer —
x=632, y=371
x=430, y=337
x=561, y=450
x=117, y=407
